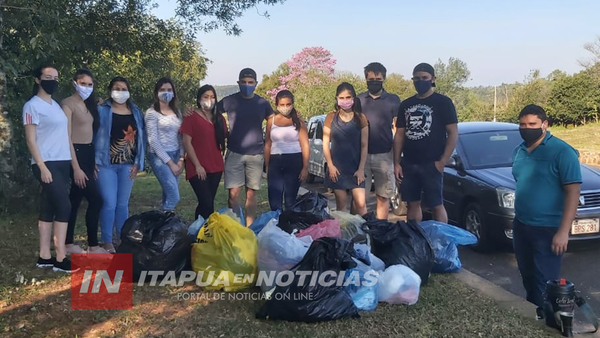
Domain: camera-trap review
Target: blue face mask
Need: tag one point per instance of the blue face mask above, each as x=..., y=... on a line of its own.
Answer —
x=247, y=90
x=423, y=87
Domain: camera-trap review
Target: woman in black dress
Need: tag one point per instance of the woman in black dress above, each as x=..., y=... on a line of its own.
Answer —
x=347, y=130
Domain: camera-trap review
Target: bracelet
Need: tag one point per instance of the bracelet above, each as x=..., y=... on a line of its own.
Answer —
x=181, y=158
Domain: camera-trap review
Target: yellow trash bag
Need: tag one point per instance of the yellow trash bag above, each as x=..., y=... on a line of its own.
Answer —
x=224, y=255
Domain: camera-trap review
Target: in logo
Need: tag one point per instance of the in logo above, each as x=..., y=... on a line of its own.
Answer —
x=103, y=281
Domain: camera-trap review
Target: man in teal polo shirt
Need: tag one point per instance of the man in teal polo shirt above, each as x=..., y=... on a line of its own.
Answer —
x=548, y=179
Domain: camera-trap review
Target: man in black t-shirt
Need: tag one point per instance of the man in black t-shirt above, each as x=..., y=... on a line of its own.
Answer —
x=426, y=135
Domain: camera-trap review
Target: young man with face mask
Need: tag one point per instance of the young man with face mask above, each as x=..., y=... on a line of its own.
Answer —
x=426, y=134
x=246, y=112
x=548, y=183
x=380, y=108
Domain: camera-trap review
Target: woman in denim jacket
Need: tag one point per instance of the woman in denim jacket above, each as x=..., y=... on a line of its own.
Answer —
x=119, y=144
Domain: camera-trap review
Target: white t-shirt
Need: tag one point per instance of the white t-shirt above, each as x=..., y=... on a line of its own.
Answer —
x=51, y=132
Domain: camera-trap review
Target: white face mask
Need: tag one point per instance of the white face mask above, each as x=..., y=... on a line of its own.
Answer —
x=84, y=92
x=285, y=111
x=120, y=96
x=166, y=96
x=207, y=104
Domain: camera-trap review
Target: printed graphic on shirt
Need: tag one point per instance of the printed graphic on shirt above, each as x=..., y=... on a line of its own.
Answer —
x=123, y=149
x=418, y=121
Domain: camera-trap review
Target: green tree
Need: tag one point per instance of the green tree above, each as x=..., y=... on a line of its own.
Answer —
x=451, y=77
x=535, y=90
x=574, y=99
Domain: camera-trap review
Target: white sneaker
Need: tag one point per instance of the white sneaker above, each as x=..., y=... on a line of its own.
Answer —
x=97, y=250
x=109, y=247
x=74, y=249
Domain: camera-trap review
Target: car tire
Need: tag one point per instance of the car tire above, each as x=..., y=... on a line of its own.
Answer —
x=473, y=222
x=310, y=178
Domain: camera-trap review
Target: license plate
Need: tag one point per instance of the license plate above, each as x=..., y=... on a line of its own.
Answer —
x=585, y=226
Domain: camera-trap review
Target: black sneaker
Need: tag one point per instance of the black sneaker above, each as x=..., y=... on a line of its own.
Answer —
x=65, y=266
x=45, y=263
x=539, y=313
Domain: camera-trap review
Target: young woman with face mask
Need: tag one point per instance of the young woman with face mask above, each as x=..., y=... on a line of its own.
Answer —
x=204, y=132
x=165, y=148
x=347, y=130
x=120, y=146
x=286, y=152
x=82, y=114
x=47, y=135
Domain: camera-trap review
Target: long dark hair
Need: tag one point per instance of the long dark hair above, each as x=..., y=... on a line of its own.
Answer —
x=119, y=79
x=294, y=114
x=37, y=73
x=356, y=107
x=90, y=102
x=217, y=119
x=173, y=103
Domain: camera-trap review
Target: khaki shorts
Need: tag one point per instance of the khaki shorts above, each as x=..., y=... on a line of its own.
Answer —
x=381, y=168
x=243, y=170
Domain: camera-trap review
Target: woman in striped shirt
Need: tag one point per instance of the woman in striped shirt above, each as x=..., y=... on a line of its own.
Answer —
x=163, y=121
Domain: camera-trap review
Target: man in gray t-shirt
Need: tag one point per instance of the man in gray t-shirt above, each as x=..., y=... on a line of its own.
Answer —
x=244, y=160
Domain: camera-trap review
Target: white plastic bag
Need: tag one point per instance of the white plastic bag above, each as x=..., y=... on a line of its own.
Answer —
x=278, y=250
x=398, y=284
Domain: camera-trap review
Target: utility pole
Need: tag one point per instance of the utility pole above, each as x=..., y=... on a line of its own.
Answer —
x=495, y=100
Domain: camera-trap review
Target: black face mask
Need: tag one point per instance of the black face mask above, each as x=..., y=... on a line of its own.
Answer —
x=374, y=86
x=530, y=135
x=49, y=86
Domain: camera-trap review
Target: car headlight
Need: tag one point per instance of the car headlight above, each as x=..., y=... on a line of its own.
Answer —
x=506, y=198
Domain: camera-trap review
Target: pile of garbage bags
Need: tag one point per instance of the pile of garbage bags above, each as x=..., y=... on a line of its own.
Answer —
x=158, y=241
x=353, y=262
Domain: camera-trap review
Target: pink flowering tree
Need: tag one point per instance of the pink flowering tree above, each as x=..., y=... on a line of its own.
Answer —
x=310, y=67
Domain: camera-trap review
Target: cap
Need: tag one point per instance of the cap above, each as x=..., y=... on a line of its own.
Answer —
x=248, y=72
x=425, y=67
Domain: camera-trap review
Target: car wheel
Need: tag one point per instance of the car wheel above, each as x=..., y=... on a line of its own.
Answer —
x=310, y=178
x=473, y=222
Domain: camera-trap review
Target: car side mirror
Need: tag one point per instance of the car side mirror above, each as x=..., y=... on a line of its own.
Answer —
x=452, y=163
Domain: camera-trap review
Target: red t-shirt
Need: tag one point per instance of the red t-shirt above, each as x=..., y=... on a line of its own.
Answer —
x=204, y=143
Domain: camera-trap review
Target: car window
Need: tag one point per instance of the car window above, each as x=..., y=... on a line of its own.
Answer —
x=311, y=130
x=319, y=131
x=490, y=149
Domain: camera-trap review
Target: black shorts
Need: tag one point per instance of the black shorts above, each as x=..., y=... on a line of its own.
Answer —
x=55, y=204
x=422, y=181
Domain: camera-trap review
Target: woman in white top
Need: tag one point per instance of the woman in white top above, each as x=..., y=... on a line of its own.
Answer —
x=47, y=134
x=286, y=152
x=165, y=155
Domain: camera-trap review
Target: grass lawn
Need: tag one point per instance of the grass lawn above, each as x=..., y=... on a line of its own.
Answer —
x=41, y=308
x=586, y=137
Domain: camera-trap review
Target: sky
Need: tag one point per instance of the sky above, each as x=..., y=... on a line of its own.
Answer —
x=501, y=41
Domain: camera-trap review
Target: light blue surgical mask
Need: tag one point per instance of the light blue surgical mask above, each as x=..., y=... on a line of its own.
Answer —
x=166, y=97
x=247, y=90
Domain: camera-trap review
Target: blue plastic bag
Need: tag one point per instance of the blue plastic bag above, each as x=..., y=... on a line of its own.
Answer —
x=444, y=239
x=238, y=216
x=374, y=263
x=262, y=220
x=366, y=295
x=195, y=227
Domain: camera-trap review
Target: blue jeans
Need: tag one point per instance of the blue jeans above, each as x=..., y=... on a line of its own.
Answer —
x=168, y=181
x=115, y=188
x=283, y=180
x=537, y=263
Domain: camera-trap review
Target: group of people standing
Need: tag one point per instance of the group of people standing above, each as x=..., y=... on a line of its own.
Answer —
x=85, y=149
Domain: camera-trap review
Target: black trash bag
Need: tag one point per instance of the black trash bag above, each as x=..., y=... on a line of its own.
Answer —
x=158, y=241
x=294, y=220
x=313, y=203
x=402, y=243
x=326, y=302
x=370, y=216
